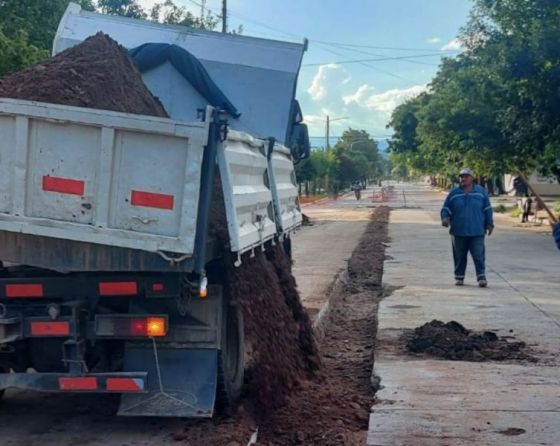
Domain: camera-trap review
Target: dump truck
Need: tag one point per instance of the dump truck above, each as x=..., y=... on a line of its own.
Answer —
x=104, y=219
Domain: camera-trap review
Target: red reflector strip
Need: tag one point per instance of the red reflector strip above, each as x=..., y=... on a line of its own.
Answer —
x=157, y=287
x=125, y=385
x=50, y=328
x=152, y=200
x=64, y=185
x=118, y=289
x=24, y=290
x=88, y=383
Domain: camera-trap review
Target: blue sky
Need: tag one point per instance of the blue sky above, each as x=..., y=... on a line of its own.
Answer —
x=365, y=93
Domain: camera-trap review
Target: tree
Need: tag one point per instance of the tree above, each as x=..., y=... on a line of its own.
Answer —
x=125, y=8
x=27, y=30
x=357, y=156
x=496, y=106
x=169, y=12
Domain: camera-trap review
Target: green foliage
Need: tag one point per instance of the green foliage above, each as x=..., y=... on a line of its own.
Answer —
x=17, y=52
x=355, y=157
x=169, y=12
x=28, y=27
x=125, y=8
x=515, y=212
x=557, y=207
x=496, y=106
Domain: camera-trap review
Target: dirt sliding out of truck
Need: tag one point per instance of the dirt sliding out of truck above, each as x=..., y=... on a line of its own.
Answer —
x=133, y=199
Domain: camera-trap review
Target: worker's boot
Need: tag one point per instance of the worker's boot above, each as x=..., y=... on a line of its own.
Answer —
x=482, y=283
x=459, y=282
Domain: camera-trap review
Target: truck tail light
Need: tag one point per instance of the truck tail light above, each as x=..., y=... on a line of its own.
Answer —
x=129, y=326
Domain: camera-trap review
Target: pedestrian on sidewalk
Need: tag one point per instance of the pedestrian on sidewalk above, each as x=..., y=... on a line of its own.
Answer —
x=468, y=213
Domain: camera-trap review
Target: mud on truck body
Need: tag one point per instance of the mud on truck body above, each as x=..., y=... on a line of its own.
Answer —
x=104, y=220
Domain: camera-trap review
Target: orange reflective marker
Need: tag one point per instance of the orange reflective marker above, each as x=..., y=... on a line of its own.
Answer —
x=156, y=327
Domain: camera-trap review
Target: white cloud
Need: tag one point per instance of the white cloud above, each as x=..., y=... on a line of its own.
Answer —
x=365, y=107
x=327, y=76
x=387, y=101
x=433, y=40
x=359, y=95
x=454, y=44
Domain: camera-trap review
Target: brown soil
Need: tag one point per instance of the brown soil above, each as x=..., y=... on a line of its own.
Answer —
x=334, y=409
x=98, y=73
x=282, y=346
x=453, y=341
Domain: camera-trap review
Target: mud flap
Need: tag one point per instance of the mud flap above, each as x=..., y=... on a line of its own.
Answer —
x=184, y=384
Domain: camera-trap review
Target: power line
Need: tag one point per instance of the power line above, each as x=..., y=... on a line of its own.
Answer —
x=369, y=53
x=393, y=48
x=380, y=59
x=373, y=68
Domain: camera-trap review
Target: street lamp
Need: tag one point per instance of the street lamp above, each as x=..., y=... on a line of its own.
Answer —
x=356, y=142
x=327, y=135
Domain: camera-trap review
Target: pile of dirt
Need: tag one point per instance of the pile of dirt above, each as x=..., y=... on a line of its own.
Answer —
x=97, y=73
x=334, y=409
x=278, y=332
x=282, y=349
x=453, y=341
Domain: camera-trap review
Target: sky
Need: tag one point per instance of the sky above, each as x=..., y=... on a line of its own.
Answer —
x=417, y=32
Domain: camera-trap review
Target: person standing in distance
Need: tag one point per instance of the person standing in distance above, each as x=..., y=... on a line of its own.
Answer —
x=468, y=213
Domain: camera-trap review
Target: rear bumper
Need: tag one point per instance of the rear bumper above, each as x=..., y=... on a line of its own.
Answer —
x=122, y=382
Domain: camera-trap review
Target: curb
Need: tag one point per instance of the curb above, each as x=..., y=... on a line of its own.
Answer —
x=322, y=318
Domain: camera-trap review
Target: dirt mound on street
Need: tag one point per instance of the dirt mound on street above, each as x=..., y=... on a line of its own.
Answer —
x=334, y=410
x=453, y=341
x=98, y=73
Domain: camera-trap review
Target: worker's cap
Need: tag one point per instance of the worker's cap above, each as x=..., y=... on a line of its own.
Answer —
x=466, y=172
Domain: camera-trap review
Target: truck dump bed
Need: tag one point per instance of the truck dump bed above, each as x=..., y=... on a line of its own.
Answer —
x=128, y=181
x=101, y=177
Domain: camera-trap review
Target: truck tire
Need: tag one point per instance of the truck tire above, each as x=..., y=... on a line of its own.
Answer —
x=231, y=359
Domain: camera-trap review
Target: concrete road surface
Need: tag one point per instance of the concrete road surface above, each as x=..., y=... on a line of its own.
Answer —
x=437, y=402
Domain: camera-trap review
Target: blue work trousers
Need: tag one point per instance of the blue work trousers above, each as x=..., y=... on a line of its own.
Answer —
x=461, y=247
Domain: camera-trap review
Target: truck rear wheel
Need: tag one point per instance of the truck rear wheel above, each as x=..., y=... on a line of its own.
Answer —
x=231, y=359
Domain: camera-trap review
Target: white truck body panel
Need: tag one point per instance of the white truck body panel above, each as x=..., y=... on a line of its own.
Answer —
x=284, y=189
x=249, y=206
x=133, y=181
x=98, y=176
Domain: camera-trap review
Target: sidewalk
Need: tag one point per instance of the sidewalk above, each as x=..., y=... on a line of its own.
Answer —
x=436, y=402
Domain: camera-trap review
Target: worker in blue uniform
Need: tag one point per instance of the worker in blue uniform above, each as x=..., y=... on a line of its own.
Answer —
x=468, y=213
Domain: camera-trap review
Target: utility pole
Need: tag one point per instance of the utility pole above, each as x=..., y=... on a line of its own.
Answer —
x=224, y=16
x=202, y=8
x=328, y=130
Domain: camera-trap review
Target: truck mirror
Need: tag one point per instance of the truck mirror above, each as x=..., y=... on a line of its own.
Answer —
x=299, y=142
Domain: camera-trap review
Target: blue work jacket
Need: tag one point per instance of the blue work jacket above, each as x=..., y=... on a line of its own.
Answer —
x=556, y=234
x=470, y=213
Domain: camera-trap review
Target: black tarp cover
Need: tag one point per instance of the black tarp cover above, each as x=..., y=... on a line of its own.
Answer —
x=152, y=55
